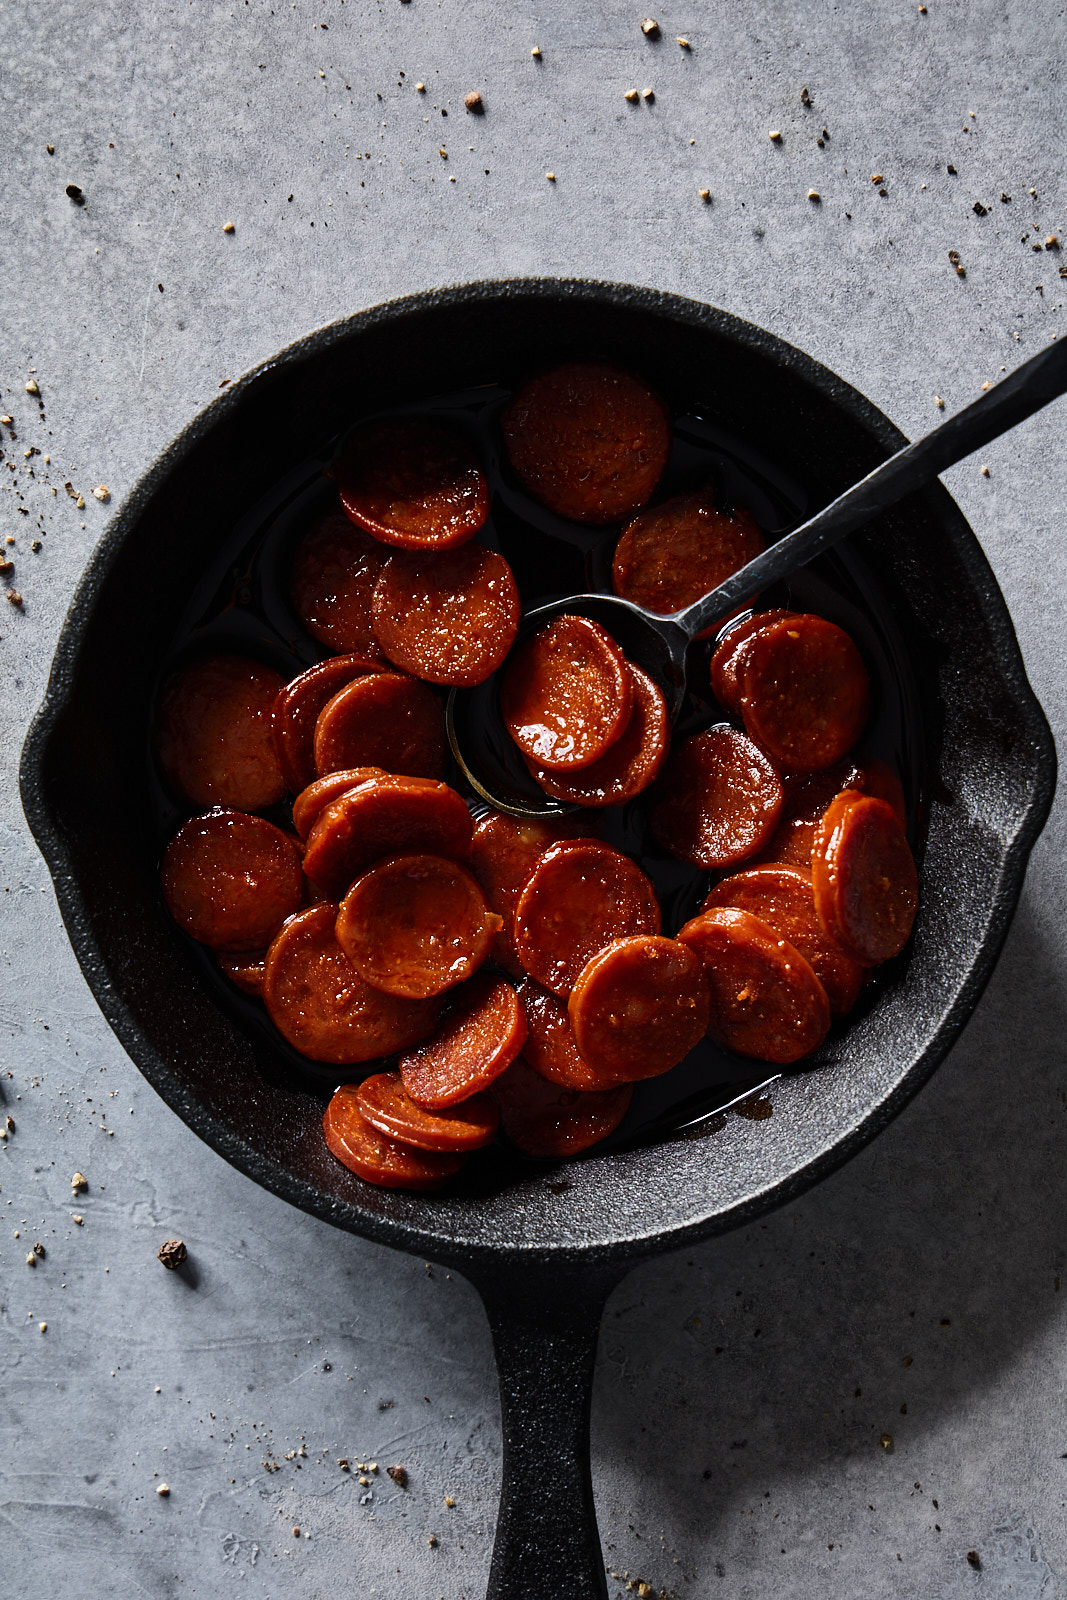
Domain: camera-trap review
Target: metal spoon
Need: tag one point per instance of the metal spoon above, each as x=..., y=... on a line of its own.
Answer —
x=658, y=644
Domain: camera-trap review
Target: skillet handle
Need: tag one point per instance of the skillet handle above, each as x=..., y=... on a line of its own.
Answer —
x=545, y=1324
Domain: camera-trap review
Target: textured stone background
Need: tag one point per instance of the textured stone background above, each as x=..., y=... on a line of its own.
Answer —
x=742, y=1386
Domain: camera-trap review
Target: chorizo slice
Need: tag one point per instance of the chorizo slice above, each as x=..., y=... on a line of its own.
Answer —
x=230, y=880
x=413, y=482
x=566, y=694
x=864, y=878
x=213, y=733
x=728, y=656
x=629, y=765
x=581, y=896
x=381, y=817
x=296, y=711
x=384, y=719
x=548, y=1121
x=807, y=795
x=387, y=1106
x=332, y=584
x=415, y=925
x=319, y=1003
x=673, y=553
x=504, y=852
x=479, y=1036
x=245, y=972
x=588, y=440
x=805, y=693
x=375, y=1157
x=639, y=1007
x=766, y=1001
x=784, y=899
x=551, y=1048
x=449, y=616
x=716, y=801
x=312, y=801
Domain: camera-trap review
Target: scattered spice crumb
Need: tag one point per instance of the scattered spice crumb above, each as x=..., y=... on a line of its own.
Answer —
x=984, y=471
x=536, y=52
x=432, y=1541
x=974, y=1559
x=473, y=101
x=886, y=1441
x=228, y=227
x=38, y=1248
x=163, y=1489
x=296, y=1533
x=951, y=169
x=80, y=502
x=31, y=386
x=551, y=176
x=442, y=152
x=172, y=1253
x=805, y=97
x=158, y=1390
x=342, y=1462
x=43, y=1327
x=31, y=1259
x=705, y=195
x=398, y=1475
x=79, y=1182
x=684, y=43
x=449, y=1501
x=420, y=88
x=6, y=420
x=876, y=177
x=74, y=193
x=1005, y=199
x=51, y=149
x=14, y=597
x=631, y=95
x=813, y=194
x=986, y=385
x=776, y=135
x=1052, y=242
x=979, y=209
x=650, y=27
x=648, y=94
x=101, y=492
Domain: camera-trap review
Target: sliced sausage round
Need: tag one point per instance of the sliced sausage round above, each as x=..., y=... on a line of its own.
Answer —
x=319, y=1003
x=415, y=925
x=375, y=1157
x=766, y=1001
x=504, y=852
x=382, y=720
x=581, y=896
x=332, y=582
x=387, y=1106
x=479, y=1036
x=296, y=711
x=245, y=972
x=673, y=553
x=413, y=482
x=629, y=765
x=716, y=801
x=805, y=693
x=588, y=440
x=639, y=1007
x=551, y=1048
x=547, y=1121
x=312, y=801
x=566, y=695
x=449, y=616
x=863, y=874
x=728, y=657
x=230, y=880
x=213, y=733
x=383, y=816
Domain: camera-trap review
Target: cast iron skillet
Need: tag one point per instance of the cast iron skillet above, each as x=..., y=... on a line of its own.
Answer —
x=544, y=1247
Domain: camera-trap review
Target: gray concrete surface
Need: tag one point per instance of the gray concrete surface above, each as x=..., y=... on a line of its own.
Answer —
x=743, y=1387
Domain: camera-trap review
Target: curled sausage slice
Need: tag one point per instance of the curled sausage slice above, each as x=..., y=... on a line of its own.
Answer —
x=380, y=817
x=581, y=896
x=230, y=880
x=319, y=1003
x=548, y=1121
x=245, y=972
x=863, y=874
x=805, y=692
x=504, y=852
x=374, y=1156
x=213, y=733
x=766, y=1001
x=807, y=795
x=566, y=694
x=413, y=482
x=551, y=1048
x=728, y=657
x=415, y=925
x=296, y=711
x=629, y=765
x=449, y=616
x=588, y=440
x=332, y=581
x=387, y=1106
x=783, y=898
x=716, y=801
x=312, y=801
x=480, y=1036
x=639, y=1007
x=673, y=553
x=382, y=720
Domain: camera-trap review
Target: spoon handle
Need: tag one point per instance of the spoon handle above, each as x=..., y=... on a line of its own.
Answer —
x=1029, y=387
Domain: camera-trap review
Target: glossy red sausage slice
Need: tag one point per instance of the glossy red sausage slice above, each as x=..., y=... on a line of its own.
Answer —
x=551, y=1048
x=312, y=801
x=805, y=692
x=382, y=720
x=566, y=694
x=783, y=898
x=639, y=1007
x=580, y=897
x=413, y=482
x=629, y=765
x=548, y=1121
x=374, y=1156
x=449, y=616
x=480, y=1036
x=766, y=1001
x=728, y=657
x=415, y=925
x=387, y=1106
x=296, y=711
x=332, y=580
x=716, y=801
x=319, y=1003
x=231, y=880
x=807, y=795
x=673, y=553
x=381, y=817
x=245, y=972
x=588, y=440
x=213, y=733
x=863, y=874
